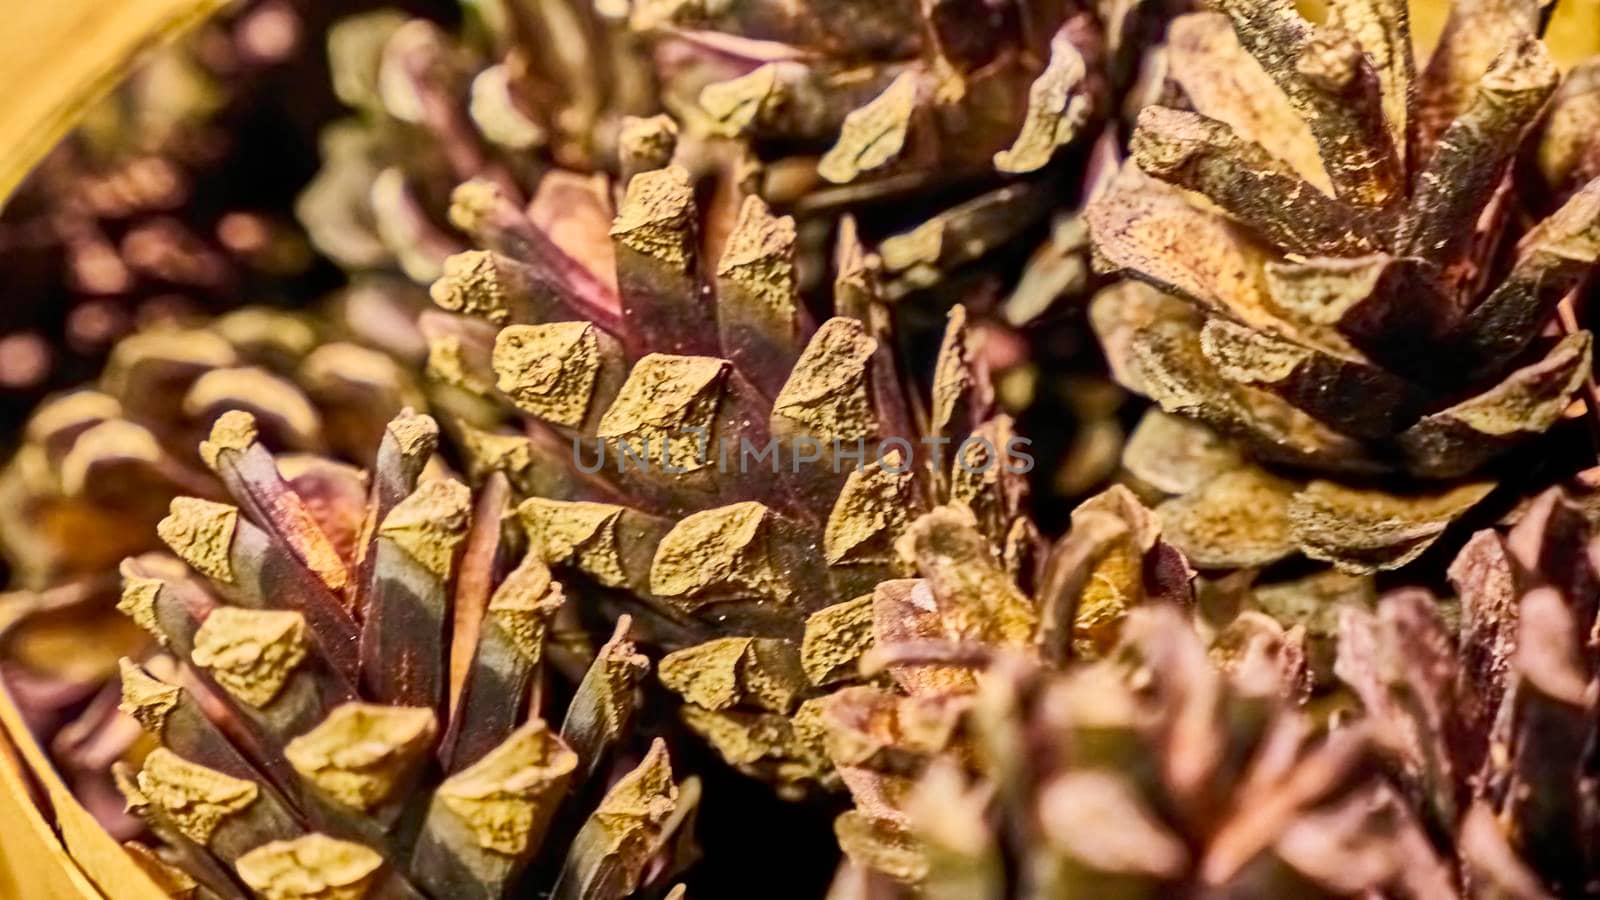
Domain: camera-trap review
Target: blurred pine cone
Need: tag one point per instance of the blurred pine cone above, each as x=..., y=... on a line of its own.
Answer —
x=1487, y=710
x=369, y=662
x=904, y=664
x=1152, y=772
x=98, y=465
x=158, y=203
x=1360, y=297
x=921, y=108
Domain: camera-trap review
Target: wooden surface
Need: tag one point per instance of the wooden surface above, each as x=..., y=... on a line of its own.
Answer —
x=58, y=56
x=32, y=863
x=1574, y=32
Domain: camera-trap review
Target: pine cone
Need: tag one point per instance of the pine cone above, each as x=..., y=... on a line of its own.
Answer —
x=1352, y=304
x=99, y=466
x=685, y=438
x=922, y=107
x=1488, y=711
x=364, y=712
x=747, y=473
x=905, y=663
x=900, y=100
x=1149, y=773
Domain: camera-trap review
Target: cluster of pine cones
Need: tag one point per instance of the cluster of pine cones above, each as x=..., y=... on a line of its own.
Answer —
x=1049, y=448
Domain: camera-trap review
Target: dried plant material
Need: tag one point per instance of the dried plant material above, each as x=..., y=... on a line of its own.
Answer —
x=1175, y=455
x=201, y=533
x=1484, y=575
x=430, y=524
x=611, y=851
x=826, y=394
x=938, y=250
x=1313, y=381
x=955, y=386
x=138, y=601
x=235, y=454
x=1333, y=87
x=1111, y=747
x=1145, y=228
x=459, y=793
x=103, y=446
x=789, y=98
x=1225, y=83
x=759, y=672
x=1205, y=156
x=146, y=700
x=251, y=652
x=1486, y=722
x=524, y=603
x=646, y=143
x=1474, y=35
x=1472, y=151
x=477, y=283
x=1567, y=156
x=700, y=261
x=1552, y=259
x=139, y=437
x=314, y=867
x=883, y=30
x=835, y=639
x=505, y=799
x=881, y=846
x=1177, y=375
x=555, y=371
x=655, y=237
x=1120, y=544
x=719, y=553
x=758, y=305
x=194, y=798
x=234, y=430
x=1383, y=30
x=173, y=386
x=362, y=753
x=1363, y=325
x=1077, y=810
x=579, y=533
x=169, y=879
x=494, y=110
x=275, y=398
x=1118, y=313
x=461, y=170
x=1237, y=519
x=983, y=602
x=739, y=103
x=875, y=134
x=1360, y=531
x=1316, y=605
x=605, y=700
x=1058, y=106
x=666, y=397
x=638, y=488
x=1530, y=400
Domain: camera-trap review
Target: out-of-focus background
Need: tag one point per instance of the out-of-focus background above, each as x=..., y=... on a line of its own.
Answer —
x=221, y=124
